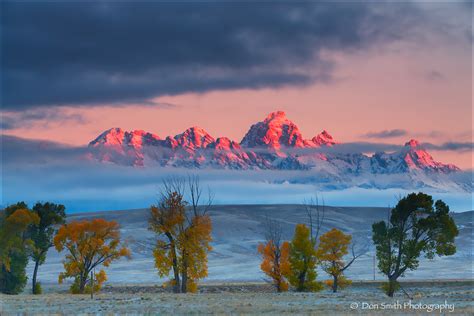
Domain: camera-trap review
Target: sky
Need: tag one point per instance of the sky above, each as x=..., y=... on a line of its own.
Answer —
x=366, y=72
x=381, y=73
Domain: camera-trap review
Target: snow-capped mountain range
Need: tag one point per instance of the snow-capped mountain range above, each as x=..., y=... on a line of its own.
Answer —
x=275, y=143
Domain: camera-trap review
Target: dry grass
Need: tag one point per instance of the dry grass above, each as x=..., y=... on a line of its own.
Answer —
x=237, y=299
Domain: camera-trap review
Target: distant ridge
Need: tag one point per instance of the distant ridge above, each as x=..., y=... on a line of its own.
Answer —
x=269, y=144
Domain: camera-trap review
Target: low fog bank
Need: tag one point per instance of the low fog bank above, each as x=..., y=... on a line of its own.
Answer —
x=94, y=187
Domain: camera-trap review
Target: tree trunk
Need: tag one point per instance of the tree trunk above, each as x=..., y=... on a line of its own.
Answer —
x=82, y=282
x=35, y=272
x=334, y=284
x=92, y=285
x=3, y=284
x=301, y=279
x=391, y=287
x=177, y=284
x=184, y=274
x=184, y=284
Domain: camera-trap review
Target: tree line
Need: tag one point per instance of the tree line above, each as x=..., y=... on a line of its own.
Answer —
x=416, y=226
x=183, y=227
x=295, y=262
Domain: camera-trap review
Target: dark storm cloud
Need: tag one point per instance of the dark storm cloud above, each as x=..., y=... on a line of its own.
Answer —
x=42, y=117
x=24, y=151
x=387, y=133
x=451, y=146
x=84, y=53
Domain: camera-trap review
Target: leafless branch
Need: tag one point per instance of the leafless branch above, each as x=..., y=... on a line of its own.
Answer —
x=171, y=185
x=316, y=213
x=199, y=206
x=273, y=231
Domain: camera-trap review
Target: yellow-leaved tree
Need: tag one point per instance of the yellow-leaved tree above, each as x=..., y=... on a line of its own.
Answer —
x=184, y=233
x=89, y=244
x=333, y=246
x=275, y=255
x=302, y=274
x=15, y=246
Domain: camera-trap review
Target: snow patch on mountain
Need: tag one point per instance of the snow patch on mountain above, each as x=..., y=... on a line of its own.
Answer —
x=275, y=143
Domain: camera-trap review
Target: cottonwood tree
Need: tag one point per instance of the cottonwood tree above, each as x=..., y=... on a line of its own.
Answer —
x=302, y=274
x=89, y=244
x=316, y=213
x=15, y=246
x=414, y=227
x=333, y=246
x=50, y=215
x=184, y=229
x=275, y=255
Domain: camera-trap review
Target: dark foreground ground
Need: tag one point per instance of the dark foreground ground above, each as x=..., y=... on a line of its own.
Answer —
x=365, y=298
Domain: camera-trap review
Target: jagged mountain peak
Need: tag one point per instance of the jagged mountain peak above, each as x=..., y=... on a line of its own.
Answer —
x=224, y=143
x=324, y=139
x=117, y=136
x=275, y=131
x=277, y=115
x=112, y=134
x=194, y=137
x=412, y=156
x=413, y=143
x=268, y=144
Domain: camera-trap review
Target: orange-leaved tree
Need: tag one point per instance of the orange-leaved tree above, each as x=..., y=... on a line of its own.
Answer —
x=333, y=246
x=275, y=255
x=89, y=244
x=184, y=231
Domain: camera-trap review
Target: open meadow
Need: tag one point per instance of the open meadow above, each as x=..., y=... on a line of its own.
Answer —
x=433, y=297
x=235, y=284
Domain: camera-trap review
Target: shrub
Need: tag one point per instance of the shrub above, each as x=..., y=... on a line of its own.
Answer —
x=37, y=289
x=342, y=282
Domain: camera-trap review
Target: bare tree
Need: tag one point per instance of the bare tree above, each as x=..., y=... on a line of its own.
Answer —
x=195, y=196
x=316, y=213
x=272, y=231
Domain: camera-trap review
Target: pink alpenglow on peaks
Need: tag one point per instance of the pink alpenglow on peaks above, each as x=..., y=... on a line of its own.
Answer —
x=116, y=145
x=274, y=132
x=227, y=153
x=413, y=143
x=117, y=136
x=224, y=143
x=193, y=138
x=416, y=157
x=273, y=143
x=324, y=139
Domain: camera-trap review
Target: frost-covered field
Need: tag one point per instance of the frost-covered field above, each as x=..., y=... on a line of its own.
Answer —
x=364, y=298
x=238, y=229
x=235, y=283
